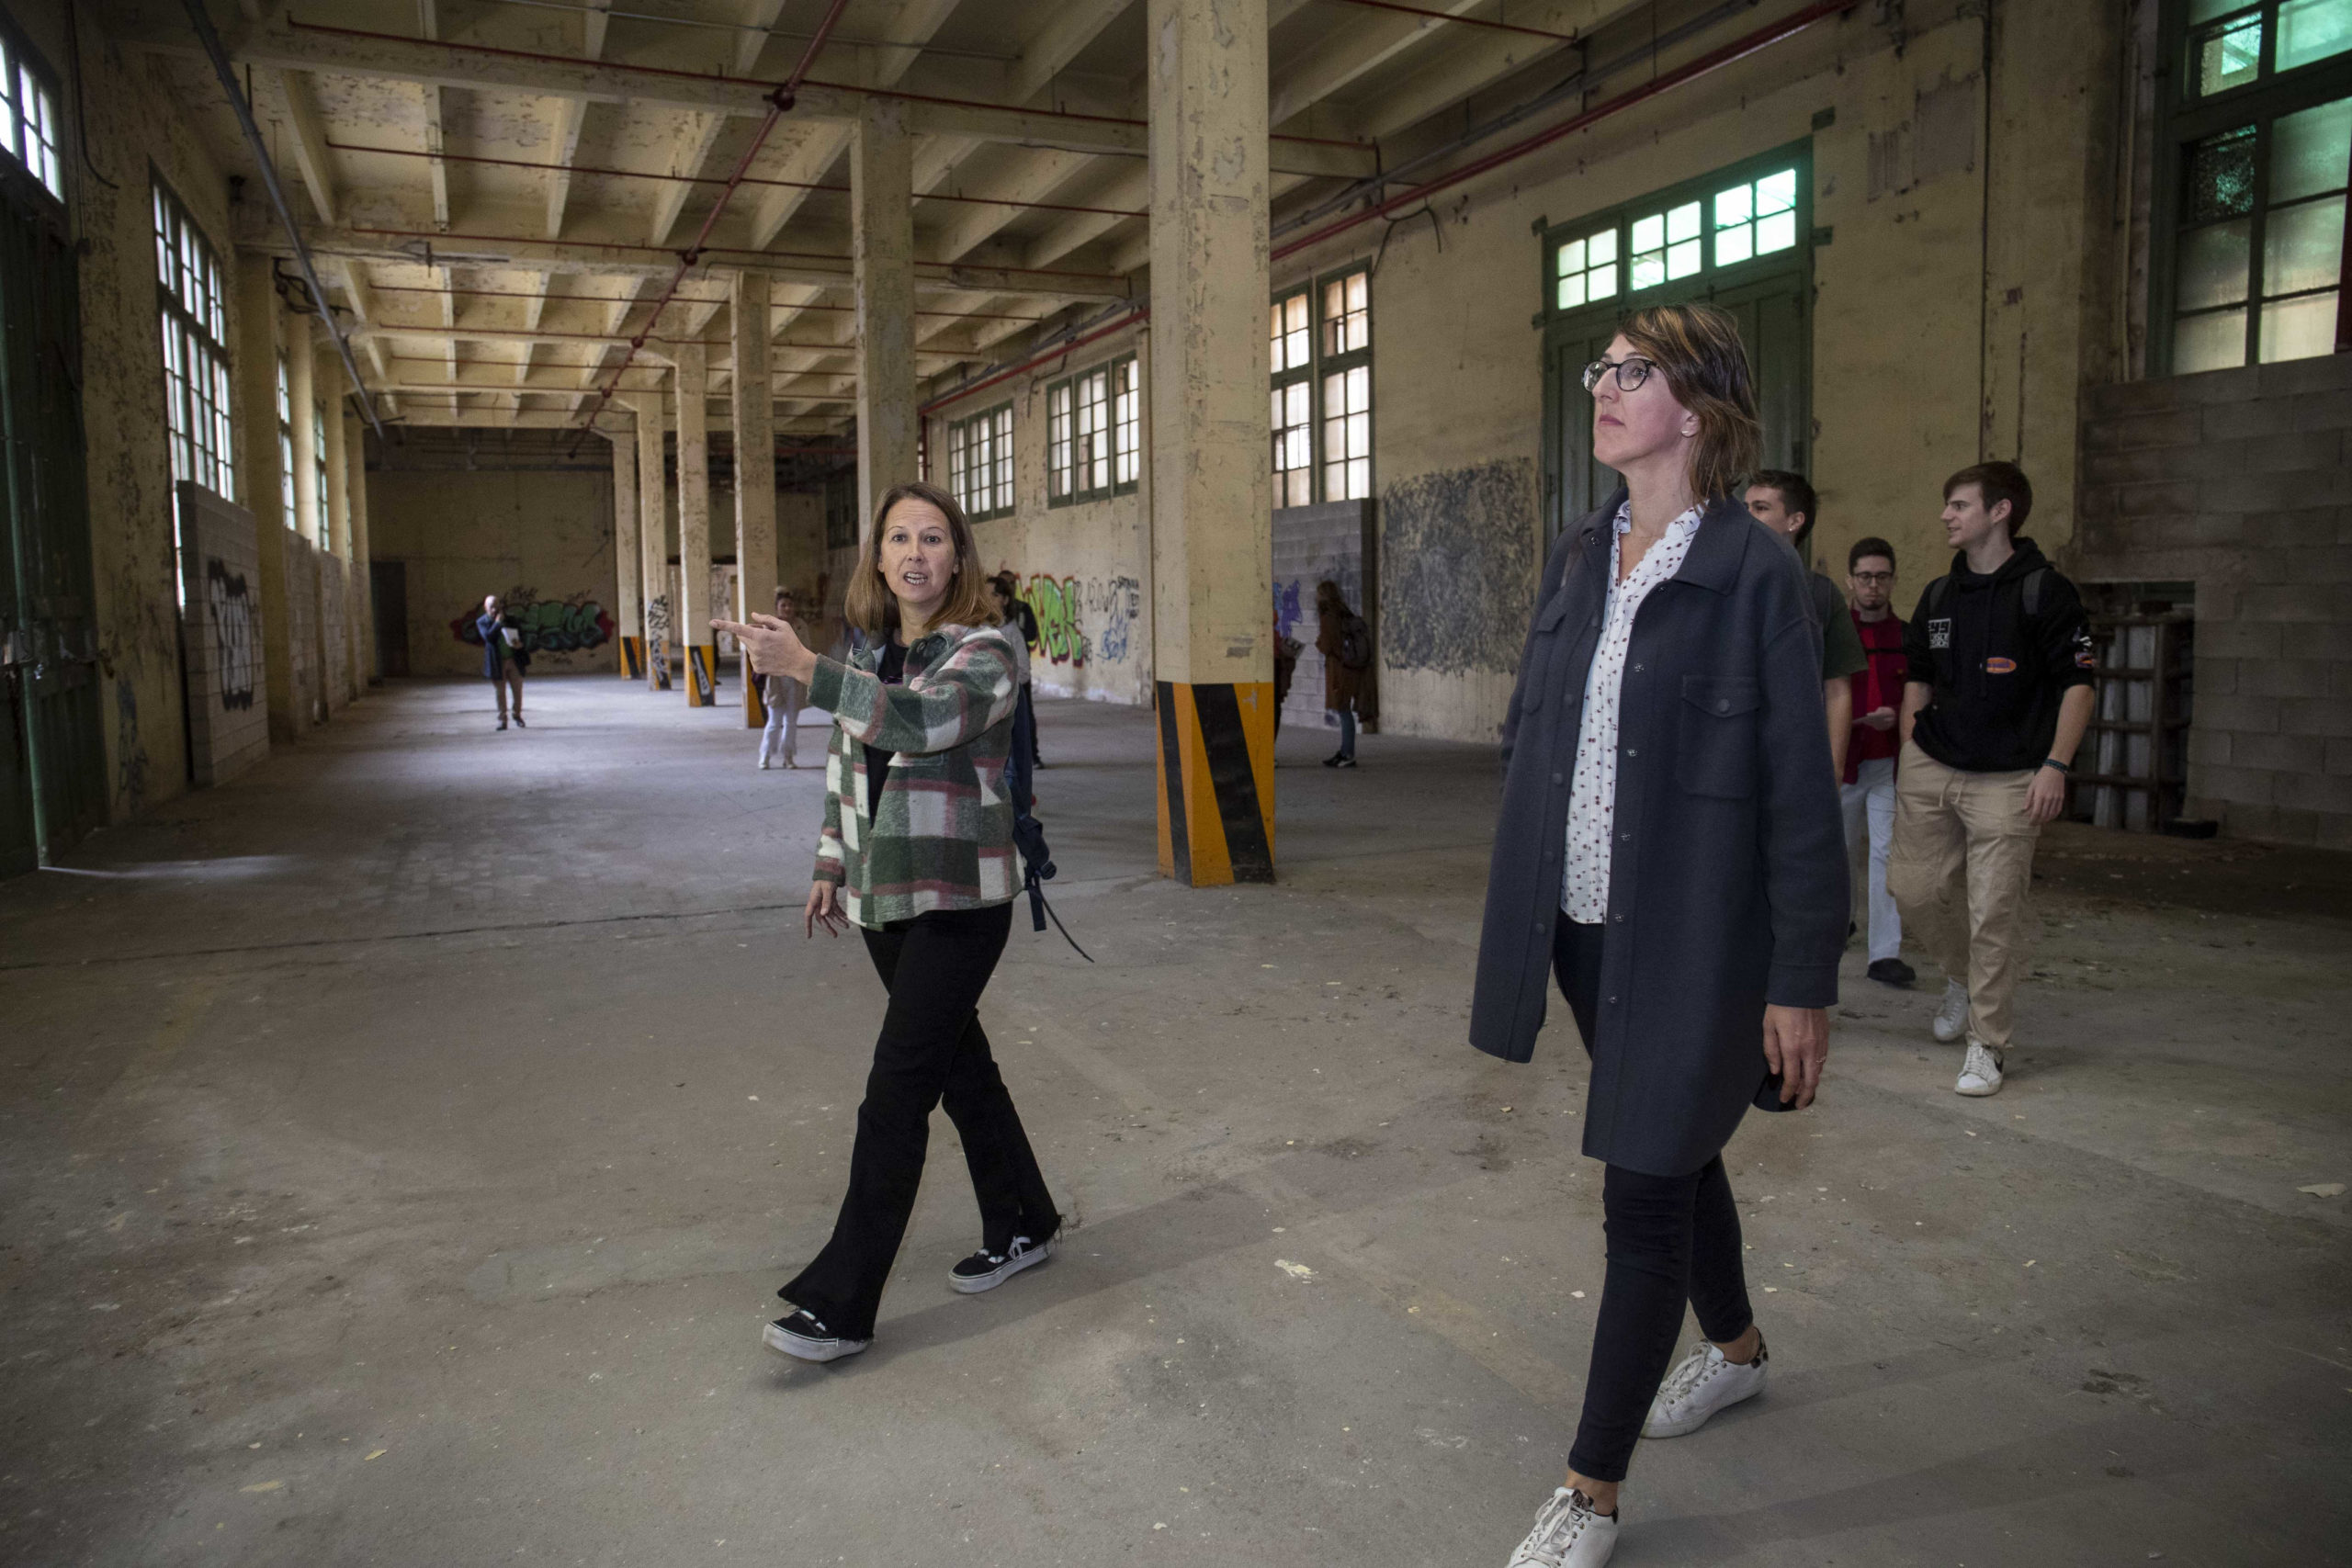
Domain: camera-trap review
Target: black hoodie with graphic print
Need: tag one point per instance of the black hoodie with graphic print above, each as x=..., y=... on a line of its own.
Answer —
x=1998, y=673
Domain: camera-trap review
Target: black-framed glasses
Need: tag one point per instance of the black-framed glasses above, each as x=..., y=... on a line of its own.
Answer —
x=1632, y=371
x=1874, y=576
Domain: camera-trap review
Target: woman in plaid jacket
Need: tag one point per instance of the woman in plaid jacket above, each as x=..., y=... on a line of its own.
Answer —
x=917, y=853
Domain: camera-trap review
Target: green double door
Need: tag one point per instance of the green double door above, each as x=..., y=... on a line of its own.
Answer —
x=52, y=753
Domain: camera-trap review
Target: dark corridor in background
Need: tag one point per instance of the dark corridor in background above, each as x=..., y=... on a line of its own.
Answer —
x=53, y=748
x=388, y=582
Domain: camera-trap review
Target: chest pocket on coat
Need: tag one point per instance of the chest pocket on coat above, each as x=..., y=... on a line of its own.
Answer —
x=1716, y=753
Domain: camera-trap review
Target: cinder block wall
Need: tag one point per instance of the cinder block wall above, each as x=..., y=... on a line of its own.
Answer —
x=2235, y=480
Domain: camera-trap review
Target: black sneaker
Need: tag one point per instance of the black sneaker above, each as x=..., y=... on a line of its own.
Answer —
x=502, y=721
x=1893, y=972
x=1335, y=759
x=519, y=724
x=1343, y=761
x=803, y=1336
x=985, y=1271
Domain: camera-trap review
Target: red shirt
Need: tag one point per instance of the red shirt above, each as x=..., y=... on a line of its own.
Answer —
x=1880, y=686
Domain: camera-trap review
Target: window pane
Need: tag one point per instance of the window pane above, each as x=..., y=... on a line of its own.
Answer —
x=2299, y=329
x=1649, y=234
x=2213, y=265
x=2220, y=177
x=1683, y=260
x=1777, y=232
x=1602, y=247
x=1733, y=207
x=1682, y=223
x=2228, y=57
x=2209, y=343
x=1569, y=258
x=1734, y=244
x=1601, y=282
x=2309, y=152
x=1776, y=193
x=1649, y=269
x=1571, y=292
x=2303, y=247
x=1296, y=404
x=1294, y=314
x=2313, y=30
x=1359, y=292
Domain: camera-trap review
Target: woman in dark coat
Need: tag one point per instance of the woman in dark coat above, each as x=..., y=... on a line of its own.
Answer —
x=1346, y=692
x=1669, y=849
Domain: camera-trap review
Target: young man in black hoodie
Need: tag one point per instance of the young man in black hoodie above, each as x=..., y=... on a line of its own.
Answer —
x=1995, y=699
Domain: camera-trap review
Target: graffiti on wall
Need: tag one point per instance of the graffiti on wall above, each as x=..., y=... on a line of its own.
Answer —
x=232, y=634
x=657, y=638
x=549, y=625
x=1056, y=601
x=1287, y=614
x=1459, y=566
x=1114, y=604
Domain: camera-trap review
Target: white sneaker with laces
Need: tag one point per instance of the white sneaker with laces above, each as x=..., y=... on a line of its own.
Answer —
x=1568, y=1534
x=1706, y=1381
x=1980, y=1074
x=1951, y=1019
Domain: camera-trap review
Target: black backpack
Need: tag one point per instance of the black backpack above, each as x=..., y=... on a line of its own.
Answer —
x=1355, y=642
x=1940, y=587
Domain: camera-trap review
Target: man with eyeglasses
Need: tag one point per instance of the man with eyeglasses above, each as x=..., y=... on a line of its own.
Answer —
x=1867, y=791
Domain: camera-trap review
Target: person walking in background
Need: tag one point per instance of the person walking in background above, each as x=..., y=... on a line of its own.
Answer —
x=1668, y=851
x=1996, y=694
x=1786, y=503
x=504, y=657
x=1867, y=791
x=783, y=696
x=1004, y=593
x=1345, y=642
x=1285, y=666
x=916, y=851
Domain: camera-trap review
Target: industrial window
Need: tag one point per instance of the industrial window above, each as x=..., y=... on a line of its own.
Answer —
x=29, y=122
x=1094, y=434
x=1642, y=250
x=1346, y=379
x=1586, y=269
x=319, y=455
x=1294, y=396
x=189, y=291
x=285, y=449
x=979, y=463
x=840, y=510
x=2248, y=267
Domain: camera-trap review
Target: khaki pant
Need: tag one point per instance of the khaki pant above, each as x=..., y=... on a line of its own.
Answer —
x=1962, y=863
x=509, y=674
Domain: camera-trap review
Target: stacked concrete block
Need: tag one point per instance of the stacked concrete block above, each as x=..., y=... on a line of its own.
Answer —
x=1336, y=540
x=2236, y=480
x=227, y=698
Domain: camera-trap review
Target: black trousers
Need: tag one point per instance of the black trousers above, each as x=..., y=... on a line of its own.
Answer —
x=1671, y=1239
x=931, y=1051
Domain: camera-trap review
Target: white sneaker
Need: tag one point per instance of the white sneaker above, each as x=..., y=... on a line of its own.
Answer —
x=1980, y=1075
x=1705, y=1382
x=1951, y=1019
x=1567, y=1534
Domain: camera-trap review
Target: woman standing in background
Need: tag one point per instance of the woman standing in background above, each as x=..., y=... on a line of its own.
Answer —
x=783, y=696
x=1345, y=643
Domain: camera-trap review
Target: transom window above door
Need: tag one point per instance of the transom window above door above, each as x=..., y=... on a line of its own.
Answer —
x=1665, y=241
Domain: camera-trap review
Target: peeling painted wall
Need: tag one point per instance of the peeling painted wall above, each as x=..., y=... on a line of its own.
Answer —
x=463, y=535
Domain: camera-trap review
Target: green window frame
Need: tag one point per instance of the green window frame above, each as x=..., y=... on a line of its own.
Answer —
x=319, y=457
x=285, y=449
x=1094, y=434
x=1319, y=350
x=1749, y=220
x=1291, y=335
x=2255, y=159
x=979, y=463
x=29, y=124
x=191, y=299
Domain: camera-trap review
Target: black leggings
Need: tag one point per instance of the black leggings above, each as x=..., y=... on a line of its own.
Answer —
x=931, y=1050
x=1671, y=1239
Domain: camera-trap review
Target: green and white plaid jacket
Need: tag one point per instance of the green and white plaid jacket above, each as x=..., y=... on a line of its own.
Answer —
x=942, y=838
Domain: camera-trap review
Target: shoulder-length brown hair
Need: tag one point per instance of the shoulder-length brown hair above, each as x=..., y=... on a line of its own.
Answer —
x=871, y=607
x=1705, y=365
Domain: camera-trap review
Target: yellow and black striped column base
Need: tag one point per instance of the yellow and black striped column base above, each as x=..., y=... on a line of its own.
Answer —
x=1217, y=782
x=755, y=708
x=702, y=675
x=632, y=658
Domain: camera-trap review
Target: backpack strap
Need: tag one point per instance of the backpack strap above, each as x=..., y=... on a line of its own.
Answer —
x=1937, y=590
x=2033, y=581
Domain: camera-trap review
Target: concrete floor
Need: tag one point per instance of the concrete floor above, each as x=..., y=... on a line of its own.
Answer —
x=400, y=1146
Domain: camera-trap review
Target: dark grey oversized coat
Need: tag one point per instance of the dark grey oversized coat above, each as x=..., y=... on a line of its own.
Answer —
x=1727, y=881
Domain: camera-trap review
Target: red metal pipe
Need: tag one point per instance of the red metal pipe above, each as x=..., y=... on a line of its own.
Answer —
x=1713, y=60
x=447, y=157
x=1463, y=21
x=799, y=79
x=1056, y=352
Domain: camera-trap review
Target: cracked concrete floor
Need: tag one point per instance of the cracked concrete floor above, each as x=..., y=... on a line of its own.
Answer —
x=400, y=1146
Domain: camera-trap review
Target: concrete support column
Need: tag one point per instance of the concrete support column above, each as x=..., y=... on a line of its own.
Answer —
x=629, y=567
x=882, y=239
x=340, y=645
x=1212, y=492
x=261, y=321
x=653, y=534
x=695, y=636
x=754, y=412
x=363, y=555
